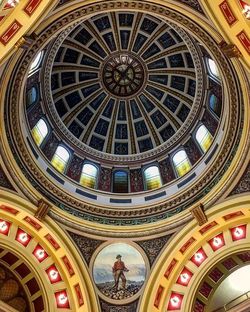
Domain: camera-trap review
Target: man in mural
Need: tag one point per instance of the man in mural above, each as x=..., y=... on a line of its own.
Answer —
x=118, y=271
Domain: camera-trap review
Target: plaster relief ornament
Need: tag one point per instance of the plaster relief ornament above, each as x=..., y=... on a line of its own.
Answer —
x=119, y=271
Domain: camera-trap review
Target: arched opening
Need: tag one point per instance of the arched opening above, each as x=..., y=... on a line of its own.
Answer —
x=152, y=178
x=89, y=176
x=181, y=163
x=40, y=131
x=120, y=181
x=204, y=138
x=60, y=159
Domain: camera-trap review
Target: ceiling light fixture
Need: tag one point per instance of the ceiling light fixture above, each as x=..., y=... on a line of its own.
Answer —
x=4, y=227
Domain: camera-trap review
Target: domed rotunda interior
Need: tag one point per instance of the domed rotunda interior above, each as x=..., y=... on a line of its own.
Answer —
x=124, y=149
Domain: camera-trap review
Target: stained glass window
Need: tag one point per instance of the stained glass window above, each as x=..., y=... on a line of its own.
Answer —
x=204, y=138
x=31, y=96
x=40, y=131
x=215, y=104
x=60, y=158
x=181, y=163
x=89, y=175
x=36, y=63
x=120, y=181
x=152, y=178
x=213, y=68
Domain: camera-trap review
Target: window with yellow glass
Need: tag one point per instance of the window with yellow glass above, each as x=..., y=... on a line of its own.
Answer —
x=89, y=176
x=152, y=178
x=40, y=131
x=181, y=163
x=204, y=138
x=60, y=159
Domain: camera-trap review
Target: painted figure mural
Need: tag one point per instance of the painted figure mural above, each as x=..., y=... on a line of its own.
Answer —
x=119, y=271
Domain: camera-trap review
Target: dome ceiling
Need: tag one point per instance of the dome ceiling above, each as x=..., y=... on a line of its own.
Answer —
x=136, y=97
x=124, y=83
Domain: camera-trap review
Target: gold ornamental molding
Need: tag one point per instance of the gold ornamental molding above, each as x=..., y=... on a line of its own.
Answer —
x=232, y=24
x=20, y=20
x=195, y=251
x=43, y=247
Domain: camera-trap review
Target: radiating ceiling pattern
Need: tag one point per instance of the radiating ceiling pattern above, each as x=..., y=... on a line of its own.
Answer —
x=123, y=83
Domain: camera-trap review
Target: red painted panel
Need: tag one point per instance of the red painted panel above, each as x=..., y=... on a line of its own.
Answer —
x=185, y=247
x=68, y=266
x=79, y=295
x=170, y=268
x=228, y=13
x=245, y=41
x=10, y=32
x=208, y=227
x=9, y=209
x=233, y=215
x=158, y=296
x=33, y=223
x=31, y=6
x=52, y=241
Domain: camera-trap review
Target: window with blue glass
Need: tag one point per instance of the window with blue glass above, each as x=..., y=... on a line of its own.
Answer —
x=215, y=104
x=31, y=96
x=120, y=181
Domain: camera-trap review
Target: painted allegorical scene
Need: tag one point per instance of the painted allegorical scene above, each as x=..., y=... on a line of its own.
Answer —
x=119, y=271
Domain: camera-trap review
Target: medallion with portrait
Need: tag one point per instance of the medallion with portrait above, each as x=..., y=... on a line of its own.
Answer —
x=119, y=271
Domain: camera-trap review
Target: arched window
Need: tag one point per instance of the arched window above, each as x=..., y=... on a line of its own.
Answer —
x=60, y=158
x=213, y=68
x=181, y=163
x=214, y=104
x=36, y=63
x=152, y=178
x=89, y=176
x=204, y=138
x=120, y=181
x=31, y=96
x=40, y=131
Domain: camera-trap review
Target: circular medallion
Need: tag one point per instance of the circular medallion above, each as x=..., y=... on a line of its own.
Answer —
x=119, y=271
x=123, y=75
